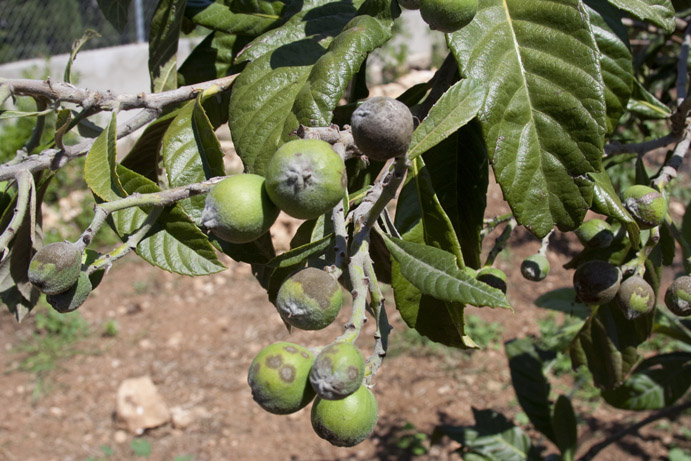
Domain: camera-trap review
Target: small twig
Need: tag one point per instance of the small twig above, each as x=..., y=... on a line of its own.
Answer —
x=25, y=192
x=545, y=244
x=359, y=283
x=158, y=199
x=682, y=66
x=97, y=101
x=107, y=260
x=381, y=194
x=637, y=264
x=664, y=413
x=669, y=170
x=640, y=148
x=491, y=224
x=341, y=140
x=381, y=335
x=340, y=247
x=501, y=242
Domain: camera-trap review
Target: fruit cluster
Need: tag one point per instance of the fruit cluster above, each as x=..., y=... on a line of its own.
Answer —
x=597, y=281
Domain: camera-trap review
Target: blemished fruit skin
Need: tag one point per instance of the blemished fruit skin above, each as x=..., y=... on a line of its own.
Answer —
x=535, y=267
x=310, y=299
x=409, y=4
x=448, y=15
x=678, y=296
x=635, y=297
x=493, y=277
x=345, y=422
x=338, y=371
x=306, y=178
x=238, y=209
x=596, y=282
x=55, y=267
x=382, y=128
x=73, y=297
x=646, y=205
x=595, y=233
x=279, y=378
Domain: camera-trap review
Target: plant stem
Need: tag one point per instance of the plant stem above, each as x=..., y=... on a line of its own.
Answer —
x=25, y=197
x=501, y=242
x=381, y=335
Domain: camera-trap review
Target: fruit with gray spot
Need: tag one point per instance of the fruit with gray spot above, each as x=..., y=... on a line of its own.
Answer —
x=382, y=128
x=306, y=178
x=310, y=299
x=345, y=422
x=646, y=205
x=596, y=282
x=448, y=15
x=338, y=371
x=678, y=296
x=635, y=297
x=535, y=267
x=73, y=297
x=279, y=378
x=55, y=267
x=595, y=233
x=493, y=277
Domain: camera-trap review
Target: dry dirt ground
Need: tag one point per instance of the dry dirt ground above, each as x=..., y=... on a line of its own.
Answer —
x=196, y=338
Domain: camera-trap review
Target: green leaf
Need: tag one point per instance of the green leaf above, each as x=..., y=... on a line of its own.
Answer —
x=492, y=438
x=530, y=384
x=163, y=44
x=544, y=115
x=210, y=59
x=297, y=74
x=144, y=156
x=659, y=12
x=656, y=383
x=616, y=60
x=191, y=153
x=607, y=202
x=99, y=168
x=565, y=428
x=434, y=272
x=439, y=321
x=115, y=12
x=8, y=114
x=607, y=345
x=456, y=107
x=62, y=123
x=257, y=252
x=175, y=243
x=302, y=253
x=76, y=46
x=141, y=447
x=563, y=300
x=645, y=105
x=219, y=17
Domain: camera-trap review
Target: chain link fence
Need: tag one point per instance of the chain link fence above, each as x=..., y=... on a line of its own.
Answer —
x=43, y=28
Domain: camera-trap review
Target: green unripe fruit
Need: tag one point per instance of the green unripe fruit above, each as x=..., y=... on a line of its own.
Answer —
x=678, y=296
x=279, y=378
x=310, y=299
x=338, y=371
x=595, y=233
x=55, y=267
x=596, y=282
x=635, y=297
x=535, y=267
x=69, y=300
x=382, y=128
x=306, y=178
x=345, y=422
x=448, y=15
x=493, y=277
x=646, y=205
x=238, y=209
x=409, y=4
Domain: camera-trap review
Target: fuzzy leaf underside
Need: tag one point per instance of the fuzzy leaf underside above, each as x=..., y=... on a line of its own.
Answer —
x=544, y=113
x=659, y=12
x=434, y=272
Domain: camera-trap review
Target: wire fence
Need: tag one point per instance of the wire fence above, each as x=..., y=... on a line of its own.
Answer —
x=42, y=28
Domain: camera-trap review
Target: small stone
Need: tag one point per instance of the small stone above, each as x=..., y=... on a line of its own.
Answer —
x=140, y=406
x=181, y=418
x=120, y=437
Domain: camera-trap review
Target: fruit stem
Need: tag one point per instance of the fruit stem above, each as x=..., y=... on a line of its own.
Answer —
x=545, y=243
x=491, y=224
x=358, y=281
x=106, y=260
x=637, y=264
x=380, y=195
x=26, y=198
x=381, y=335
x=500, y=242
x=340, y=247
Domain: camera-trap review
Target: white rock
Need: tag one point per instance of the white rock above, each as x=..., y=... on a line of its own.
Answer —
x=181, y=418
x=140, y=406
